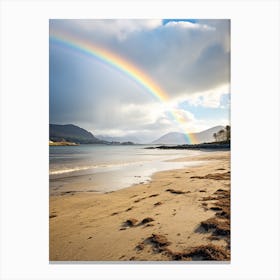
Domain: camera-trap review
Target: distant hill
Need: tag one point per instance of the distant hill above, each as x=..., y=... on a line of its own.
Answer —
x=179, y=138
x=172, y=138
x=119, y=139
x=72, y=133
x=207, y=135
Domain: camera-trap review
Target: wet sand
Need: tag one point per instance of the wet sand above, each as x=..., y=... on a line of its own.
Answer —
x=180, y=215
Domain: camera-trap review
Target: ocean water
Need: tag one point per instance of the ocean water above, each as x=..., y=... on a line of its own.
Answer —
x=104, y=168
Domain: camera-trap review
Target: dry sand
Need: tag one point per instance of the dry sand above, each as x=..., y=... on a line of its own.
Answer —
x=180, y=215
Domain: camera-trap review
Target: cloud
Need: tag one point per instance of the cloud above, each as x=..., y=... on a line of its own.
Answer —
x=188, y=60
x=200, y=125
x=210, y=98
x=183, y=116
x=103, y=30
x=179, y=56
x=189, y=25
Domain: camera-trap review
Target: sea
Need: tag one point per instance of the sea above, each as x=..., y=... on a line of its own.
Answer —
x=106, y=168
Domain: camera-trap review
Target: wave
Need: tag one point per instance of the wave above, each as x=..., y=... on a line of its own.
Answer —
x=82, y=168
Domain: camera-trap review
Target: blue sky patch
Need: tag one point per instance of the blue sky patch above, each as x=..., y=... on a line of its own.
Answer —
x=165, y=21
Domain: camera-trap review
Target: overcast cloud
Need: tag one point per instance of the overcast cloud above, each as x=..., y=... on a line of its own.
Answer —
x=188, y=60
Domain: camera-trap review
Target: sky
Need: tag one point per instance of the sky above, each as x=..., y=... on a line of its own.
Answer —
x=188, y=59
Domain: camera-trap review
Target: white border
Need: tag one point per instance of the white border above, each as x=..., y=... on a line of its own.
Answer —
x=24, y=134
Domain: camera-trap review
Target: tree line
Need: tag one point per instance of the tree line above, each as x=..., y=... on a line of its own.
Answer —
x=223, y=134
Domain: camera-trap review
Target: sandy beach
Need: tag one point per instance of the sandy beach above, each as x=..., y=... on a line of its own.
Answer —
x=181, y=214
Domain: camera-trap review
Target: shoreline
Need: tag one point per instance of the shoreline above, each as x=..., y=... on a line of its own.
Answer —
x=114, y=177
x=210, y=146
x=62, y=143
x=181, y=214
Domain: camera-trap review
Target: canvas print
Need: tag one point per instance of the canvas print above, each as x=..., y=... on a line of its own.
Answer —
x=139, y=140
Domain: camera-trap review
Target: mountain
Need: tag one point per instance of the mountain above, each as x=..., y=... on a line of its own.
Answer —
x=172, y=138
x=72, y=133
x=119, y=139
x=180, y=138
x=207, y=135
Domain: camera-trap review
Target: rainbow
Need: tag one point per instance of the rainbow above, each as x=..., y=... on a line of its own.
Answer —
x=125, y=67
